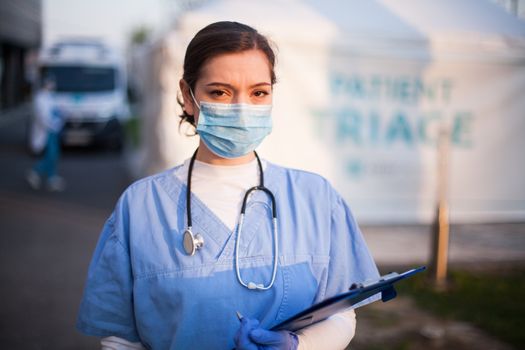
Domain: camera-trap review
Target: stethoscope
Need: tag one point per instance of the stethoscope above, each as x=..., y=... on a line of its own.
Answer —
x=193, y=242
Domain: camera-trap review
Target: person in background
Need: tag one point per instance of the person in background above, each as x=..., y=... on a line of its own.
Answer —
x=47, y=126
x=226, y=231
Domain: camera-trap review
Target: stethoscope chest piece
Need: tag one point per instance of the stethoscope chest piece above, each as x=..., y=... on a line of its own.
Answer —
x=192, y=242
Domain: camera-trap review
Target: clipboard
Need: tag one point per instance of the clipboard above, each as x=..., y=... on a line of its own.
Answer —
x=357, y=293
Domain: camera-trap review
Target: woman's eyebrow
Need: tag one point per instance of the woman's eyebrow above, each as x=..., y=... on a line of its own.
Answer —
x=260, y=84
x=220, y=84
x=216, y=83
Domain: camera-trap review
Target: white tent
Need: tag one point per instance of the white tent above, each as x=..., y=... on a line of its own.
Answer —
x=364, y=88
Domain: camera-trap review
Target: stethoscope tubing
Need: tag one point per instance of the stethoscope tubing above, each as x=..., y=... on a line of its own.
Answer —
x=252, y=285
x=260, y=187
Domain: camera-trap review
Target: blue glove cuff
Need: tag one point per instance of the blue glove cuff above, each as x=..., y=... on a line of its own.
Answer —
x=294, y=343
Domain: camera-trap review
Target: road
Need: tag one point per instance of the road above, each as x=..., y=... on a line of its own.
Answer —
x=46, y=240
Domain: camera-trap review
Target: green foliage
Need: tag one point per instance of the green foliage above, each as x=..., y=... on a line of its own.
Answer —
x=491, y=300
x=140, y=35
x=132, y=128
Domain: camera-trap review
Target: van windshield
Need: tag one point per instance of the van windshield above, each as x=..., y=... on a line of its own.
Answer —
x=81, y=78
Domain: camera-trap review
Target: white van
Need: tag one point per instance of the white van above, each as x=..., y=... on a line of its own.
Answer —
x=90, y=91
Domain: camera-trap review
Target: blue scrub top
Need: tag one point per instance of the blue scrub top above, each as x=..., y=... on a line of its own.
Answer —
x=141, y=286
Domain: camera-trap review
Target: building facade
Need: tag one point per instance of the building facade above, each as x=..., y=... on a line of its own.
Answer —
x=20, y=37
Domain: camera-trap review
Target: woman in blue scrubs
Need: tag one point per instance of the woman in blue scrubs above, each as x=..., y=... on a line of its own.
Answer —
x=177, y=260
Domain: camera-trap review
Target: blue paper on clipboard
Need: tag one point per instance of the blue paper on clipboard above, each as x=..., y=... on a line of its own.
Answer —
x=357, y=293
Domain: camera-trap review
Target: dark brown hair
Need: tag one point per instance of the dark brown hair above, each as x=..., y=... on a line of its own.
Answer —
x=216, y=39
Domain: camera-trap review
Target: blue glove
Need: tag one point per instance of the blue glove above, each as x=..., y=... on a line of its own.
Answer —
x=251, y=336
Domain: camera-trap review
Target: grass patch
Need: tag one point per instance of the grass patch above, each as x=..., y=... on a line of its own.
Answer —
x=132, y=130
x=493, y=301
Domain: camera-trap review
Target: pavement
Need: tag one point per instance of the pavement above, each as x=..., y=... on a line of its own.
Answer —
x=47, y=239
x=469, y=244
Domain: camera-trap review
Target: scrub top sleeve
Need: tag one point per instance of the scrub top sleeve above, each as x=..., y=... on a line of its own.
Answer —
x=107, y=305
x=350, y=259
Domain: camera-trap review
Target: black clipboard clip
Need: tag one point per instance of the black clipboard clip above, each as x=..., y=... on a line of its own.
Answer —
x=387, y=293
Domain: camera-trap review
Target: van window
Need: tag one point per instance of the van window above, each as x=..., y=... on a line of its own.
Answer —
x=81, y=78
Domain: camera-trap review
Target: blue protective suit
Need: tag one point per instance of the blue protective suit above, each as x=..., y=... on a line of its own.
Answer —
x=141, y=286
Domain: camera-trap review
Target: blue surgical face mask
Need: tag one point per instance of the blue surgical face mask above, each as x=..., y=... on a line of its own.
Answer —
x=233, y=130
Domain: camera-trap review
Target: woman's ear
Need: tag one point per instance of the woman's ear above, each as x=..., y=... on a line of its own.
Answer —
x=186, y=96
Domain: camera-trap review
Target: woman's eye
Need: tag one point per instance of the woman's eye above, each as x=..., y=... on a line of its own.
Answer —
x=260, y=93
x=218, y=93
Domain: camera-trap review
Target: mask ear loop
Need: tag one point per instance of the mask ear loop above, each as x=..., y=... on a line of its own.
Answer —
x=195, y=100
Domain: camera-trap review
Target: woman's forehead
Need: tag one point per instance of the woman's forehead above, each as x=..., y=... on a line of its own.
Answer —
x=249, y=66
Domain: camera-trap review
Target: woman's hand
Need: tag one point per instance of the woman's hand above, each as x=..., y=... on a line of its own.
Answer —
x=252, y=337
